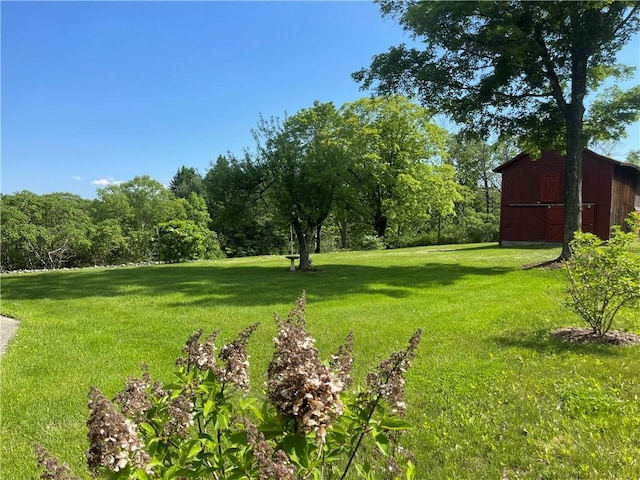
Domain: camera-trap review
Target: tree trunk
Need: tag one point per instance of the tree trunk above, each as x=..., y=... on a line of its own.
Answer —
x=344, y=234
x=380, y=224
x=485, y=178
x=575, y=145
x=303, y=244
x=318, y=228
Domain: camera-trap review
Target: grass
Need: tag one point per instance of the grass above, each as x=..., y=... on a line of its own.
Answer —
x=492, y=394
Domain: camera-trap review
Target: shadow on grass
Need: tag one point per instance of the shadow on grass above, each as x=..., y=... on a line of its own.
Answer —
x=542, y=341
x=239, y=284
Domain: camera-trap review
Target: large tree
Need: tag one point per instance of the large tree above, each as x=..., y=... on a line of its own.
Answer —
x=138, y=205
x=186, y=181
x=397, y=156
x=307, y=165
x=44, y=231
x=235, y=190
x=510, y=68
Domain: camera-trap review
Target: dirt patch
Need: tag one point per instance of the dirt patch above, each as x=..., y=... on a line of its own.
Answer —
x=550, y=264
x=586, y=335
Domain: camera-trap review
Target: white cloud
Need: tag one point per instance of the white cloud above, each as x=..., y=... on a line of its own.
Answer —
x=103, y=182
x=77, y=178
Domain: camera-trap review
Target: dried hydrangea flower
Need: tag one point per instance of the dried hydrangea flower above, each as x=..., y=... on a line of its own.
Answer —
x=200, y=355
x=272, y=464
x=113, y=441
x=53, y=469
x=342, y=361
x=236, y=360
x=299, y=385
x=135, y=400
x=181, y=414
x=388, y=380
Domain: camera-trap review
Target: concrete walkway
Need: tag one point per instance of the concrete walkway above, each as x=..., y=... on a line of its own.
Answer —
x=8, y=328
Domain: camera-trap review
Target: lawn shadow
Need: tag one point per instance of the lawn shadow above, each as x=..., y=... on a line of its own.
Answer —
x=543, y=341
x=239, y=285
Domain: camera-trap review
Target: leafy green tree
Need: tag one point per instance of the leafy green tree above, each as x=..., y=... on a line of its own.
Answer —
x=307, y=167
x=238, y=206
x=17, y=233
x=513, y=68
x=45, y=231
x=139, y=205
x=186, y=181
x=397, y=168
x=633, y=157
x=182, y=240
x=108, y=244
x=474, y=161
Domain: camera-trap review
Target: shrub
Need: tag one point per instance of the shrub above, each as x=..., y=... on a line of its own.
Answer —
x=181, y=240
x=370, y=242
x=602, y=277
x=203, y=426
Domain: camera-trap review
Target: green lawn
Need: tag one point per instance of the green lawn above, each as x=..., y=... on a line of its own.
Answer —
x=492, y=394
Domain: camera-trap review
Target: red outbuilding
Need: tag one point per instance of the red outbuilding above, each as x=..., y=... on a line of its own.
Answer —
x=532, y=208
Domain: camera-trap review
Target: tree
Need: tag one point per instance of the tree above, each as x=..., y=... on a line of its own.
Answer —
x=512, y=68
x=307, y=166
x=186, y=181
x=235, y=191
x=139, y=205
x=45, y=231
x=397, y=151
x=633, y=157
x=181, y=240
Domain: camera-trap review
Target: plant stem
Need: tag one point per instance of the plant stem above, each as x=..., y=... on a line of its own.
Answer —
x=355, y=450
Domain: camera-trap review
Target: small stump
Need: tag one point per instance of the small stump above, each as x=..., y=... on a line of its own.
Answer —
x=293, y=259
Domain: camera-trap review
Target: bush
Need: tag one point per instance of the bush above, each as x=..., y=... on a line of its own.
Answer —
x=203, y=426
x=181, y=240
x=603, y=277
x=370, y=242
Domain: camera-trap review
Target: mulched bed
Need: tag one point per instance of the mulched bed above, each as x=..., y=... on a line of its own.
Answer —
x=586, y=335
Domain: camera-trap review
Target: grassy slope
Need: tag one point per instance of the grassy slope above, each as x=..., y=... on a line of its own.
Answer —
x=492, y=394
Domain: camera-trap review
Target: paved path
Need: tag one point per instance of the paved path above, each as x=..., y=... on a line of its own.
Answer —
x=8, y=328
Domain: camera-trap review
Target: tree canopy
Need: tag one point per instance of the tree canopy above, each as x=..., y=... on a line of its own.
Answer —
x=511, y=68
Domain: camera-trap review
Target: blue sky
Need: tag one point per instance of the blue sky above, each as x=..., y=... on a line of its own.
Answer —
x=97, y=92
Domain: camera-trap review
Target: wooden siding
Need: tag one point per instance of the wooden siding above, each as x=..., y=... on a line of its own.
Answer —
x=532, y=208
x=623, y=195
x=597, y=178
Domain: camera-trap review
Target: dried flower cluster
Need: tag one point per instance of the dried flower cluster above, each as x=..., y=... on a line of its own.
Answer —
x=134, y=400
x=181, y=415
x=113, y=441
x=298, y=383
x=199, y=355
x=202, y=355
x=342, y=362
x=388, y=381
x=272, y=464
x=236, y=360
x=53, y=469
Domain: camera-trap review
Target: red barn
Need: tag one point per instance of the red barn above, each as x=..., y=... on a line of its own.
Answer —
x=532, y=208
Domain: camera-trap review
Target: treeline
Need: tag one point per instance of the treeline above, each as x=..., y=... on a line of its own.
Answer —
x=136, y=221
x=374, y=173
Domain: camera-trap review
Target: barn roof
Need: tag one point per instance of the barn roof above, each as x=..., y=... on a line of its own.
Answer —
x=500, y=168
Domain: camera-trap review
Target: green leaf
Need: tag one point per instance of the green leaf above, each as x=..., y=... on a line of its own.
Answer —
x=394, y=423
x=195, y=449
x=382, y=442
x=410, y=473
x=208, y=407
